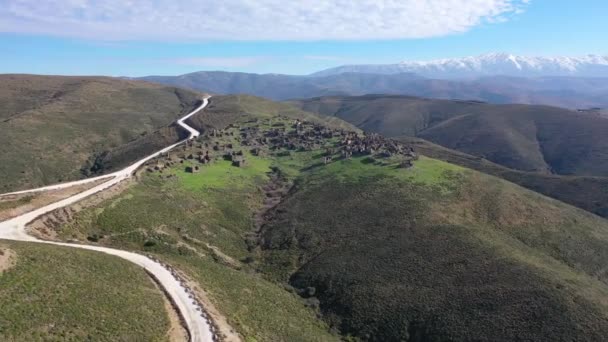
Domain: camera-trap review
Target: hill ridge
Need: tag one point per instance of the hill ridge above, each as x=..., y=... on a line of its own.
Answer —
x=570, y=92
x=525, y=137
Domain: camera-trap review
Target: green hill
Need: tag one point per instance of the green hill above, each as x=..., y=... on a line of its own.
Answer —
x=589, y=193
x=51, y=127
x=378, y=248
x=439, y=253
x=53, y=293
x=523, y=137
x=225, y=110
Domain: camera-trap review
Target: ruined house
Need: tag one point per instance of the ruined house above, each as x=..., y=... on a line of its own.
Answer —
x=238, y=161
x=193, y=169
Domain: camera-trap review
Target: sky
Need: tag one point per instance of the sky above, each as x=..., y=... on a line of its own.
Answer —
x=173, y=37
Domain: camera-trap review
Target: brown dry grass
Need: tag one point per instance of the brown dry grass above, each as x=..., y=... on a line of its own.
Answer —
x=51, y=127
x=225, y=331
x=8, y=259
x=16, y=205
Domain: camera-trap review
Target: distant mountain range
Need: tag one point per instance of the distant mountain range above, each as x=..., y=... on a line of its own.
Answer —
x=486, y=65
x=569, y=92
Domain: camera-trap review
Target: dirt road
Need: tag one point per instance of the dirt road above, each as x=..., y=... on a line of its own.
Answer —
x=197, y=324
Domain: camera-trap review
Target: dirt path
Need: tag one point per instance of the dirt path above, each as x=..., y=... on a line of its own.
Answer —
x=19, y=204
x=226, y=332
x=177, y=332
x=195, y=319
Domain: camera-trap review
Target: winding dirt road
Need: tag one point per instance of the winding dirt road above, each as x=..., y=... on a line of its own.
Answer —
x=191, y=313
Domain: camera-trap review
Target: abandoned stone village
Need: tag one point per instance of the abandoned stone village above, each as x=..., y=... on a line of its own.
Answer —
x=280, y=137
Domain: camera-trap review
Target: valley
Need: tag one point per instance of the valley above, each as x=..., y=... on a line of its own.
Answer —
x=542, y=139
x=193, y=318
x=288, y=171
x=281, y=224
x=55, y=129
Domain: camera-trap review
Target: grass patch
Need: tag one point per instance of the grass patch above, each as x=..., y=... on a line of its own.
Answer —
x=52, y=126
x=393, y=258
x=177, y=218
x=63, y=294
x=426, y=171
x=431, y=172
x=259, y=309
x=221, y=174
x=4, y=205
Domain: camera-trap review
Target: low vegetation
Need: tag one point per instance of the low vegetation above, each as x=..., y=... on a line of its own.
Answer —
x=588, y=193
x=392, y=258
x=523, y=137
x=224, y=110
x=54, y=128
x=380, y=247
x=203, y=223
x=11, y=204
x=63, y=294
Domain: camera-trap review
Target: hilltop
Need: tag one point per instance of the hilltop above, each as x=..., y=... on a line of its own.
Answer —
x=588, y=193
x=553, y=151
x=283, y=219
x=54, y=128
x=524, y=137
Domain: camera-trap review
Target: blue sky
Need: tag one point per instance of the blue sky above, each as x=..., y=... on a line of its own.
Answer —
x=163, y=37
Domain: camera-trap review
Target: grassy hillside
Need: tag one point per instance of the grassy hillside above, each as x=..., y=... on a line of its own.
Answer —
x=400, y=255
x=589, y=193
x=224, y=110
x=62, y=294
x=528, y=138
x=52, y=126
x=379, y=251
x=203, y=224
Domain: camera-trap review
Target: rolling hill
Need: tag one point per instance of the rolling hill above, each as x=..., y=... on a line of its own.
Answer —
x=55, y=128
x=588, y=193
x=524, y=137
x=378, y=250
x=449, y=254
x=569, y=92
x=374, y=246
x=52, y=293
x=282, y=87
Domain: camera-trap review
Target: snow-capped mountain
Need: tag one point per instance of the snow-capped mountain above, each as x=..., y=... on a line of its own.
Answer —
x=487, y=65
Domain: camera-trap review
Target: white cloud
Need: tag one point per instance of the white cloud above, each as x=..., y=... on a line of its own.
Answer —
x=252, y=19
